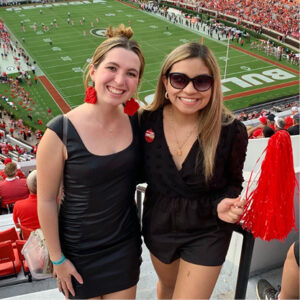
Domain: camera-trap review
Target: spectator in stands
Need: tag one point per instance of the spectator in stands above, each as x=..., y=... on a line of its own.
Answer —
x=271, y=120
x=289, y=282
x=263, y=120
x=12, y=188
x=6, y=161
x=294, y=110
x=20, y=174
x=256, y=131
x=279, y=123
x=288, y=122
x=96, y=235
x=294, y=130
x=194, y=153
x=25, y=211
x=268, y=132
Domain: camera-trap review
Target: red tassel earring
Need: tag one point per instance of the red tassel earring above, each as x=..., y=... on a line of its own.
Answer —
x=131, y=107
x=90, y=95
x=269, y=211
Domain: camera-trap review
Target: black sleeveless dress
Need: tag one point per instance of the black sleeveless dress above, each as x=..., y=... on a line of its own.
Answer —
x=98, y=223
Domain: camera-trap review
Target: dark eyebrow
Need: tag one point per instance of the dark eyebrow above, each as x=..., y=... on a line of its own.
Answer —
x=117, y=65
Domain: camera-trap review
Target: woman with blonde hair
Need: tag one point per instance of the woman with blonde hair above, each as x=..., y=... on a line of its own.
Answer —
x=94, y=241
x=194, y=152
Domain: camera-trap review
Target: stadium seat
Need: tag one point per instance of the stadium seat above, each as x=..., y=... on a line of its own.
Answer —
x=25, y=232
x=20, y=244
x=9, y=235
x=10, y=264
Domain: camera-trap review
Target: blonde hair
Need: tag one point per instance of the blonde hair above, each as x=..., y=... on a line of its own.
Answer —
x=31, y=182
x=116, y=38
x=211, y=117
x=10, y=169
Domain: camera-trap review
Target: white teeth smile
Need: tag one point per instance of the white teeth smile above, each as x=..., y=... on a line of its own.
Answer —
x=114, y=90
x=188, y=100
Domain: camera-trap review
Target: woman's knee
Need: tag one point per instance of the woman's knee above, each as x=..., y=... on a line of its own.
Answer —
x=164, y=291
x=166, y=285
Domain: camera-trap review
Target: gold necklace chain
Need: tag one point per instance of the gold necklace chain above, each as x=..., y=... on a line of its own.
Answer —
x=179, y=147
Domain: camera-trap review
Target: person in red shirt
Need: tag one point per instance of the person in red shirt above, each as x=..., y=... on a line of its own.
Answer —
x=25, y=211
x=10, y=147
x=288, y=122
x=4, y=150
x=263, y=120
x=7, y=160
x=12, y=188
x=11, y=130
x=20, y=174
x=270, y=121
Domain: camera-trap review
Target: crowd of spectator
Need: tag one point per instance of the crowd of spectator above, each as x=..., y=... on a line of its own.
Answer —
x=18, y=194
x=281, y=16
x=219, y=31
x=269, y=123
x=17, y=131
x=245, y=116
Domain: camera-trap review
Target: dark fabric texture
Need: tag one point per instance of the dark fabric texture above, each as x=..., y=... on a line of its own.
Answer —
x=98, y=222
x=294, y=130
x=180, y=207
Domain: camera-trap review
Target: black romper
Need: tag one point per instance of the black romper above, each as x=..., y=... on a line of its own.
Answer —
x=98, y=223
x=180, y=217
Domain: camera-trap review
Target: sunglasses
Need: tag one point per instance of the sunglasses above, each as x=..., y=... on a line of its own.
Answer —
x=201, y=82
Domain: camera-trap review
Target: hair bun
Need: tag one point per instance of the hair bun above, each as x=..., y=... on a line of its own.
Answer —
x=120, y=31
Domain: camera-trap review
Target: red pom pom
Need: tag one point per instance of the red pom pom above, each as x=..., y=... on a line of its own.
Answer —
x=131, y=107
x=90, y=95
x=269, y=211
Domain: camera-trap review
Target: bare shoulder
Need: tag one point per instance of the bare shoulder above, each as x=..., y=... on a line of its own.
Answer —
x=76, y=112
x=49, y=144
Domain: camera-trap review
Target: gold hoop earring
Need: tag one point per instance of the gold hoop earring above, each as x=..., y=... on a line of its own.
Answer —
x=166, y=95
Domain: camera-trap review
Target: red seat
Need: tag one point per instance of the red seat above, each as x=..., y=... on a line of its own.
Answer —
x=20, y=244
x=10, y=263
x=9, y=235
x=25, y=232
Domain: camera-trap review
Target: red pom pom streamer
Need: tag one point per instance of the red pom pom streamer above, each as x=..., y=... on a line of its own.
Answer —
x=269, y=211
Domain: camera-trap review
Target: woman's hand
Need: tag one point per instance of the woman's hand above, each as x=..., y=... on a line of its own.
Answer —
x=63, y=273
x=230, y=209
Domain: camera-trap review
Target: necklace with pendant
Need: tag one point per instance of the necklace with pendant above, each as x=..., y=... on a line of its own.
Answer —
x=178, y=151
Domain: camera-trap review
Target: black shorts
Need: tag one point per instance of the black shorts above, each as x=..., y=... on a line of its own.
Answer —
x=182, y=228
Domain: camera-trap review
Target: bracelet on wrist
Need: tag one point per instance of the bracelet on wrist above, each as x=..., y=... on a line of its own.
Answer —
x=60, y=261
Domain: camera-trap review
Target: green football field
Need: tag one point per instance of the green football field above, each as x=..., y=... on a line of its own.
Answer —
x=64, y=60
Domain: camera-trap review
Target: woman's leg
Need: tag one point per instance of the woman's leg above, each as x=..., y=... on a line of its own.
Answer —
x=290, y=277
x=195, y=281
x=167, y=274
x=129, y=293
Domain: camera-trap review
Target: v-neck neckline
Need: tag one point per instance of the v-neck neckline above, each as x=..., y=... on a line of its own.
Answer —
x=167, y=146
